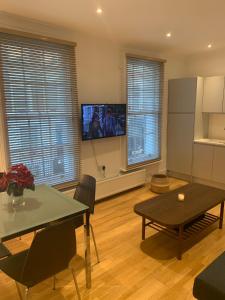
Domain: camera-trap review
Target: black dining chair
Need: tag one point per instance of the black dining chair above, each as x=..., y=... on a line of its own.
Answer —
x=85, y=193
x=4, y=252
x=50, y=253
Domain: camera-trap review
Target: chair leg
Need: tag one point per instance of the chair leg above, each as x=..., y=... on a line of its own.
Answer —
x=75, y=283
x=96, y=249
x=54, y=282
x=26, y=293
x=18, y=290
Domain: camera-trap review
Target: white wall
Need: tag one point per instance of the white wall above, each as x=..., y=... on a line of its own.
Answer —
x=209, y=63
x=216, y=126
x=100, y=69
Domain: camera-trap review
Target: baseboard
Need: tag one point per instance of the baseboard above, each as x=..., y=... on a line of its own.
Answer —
x=190, y=178
x=209, y=182
x=181, y=176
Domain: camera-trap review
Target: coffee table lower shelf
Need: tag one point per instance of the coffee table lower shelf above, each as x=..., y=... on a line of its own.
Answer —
x=195, y=228
x=180, y=233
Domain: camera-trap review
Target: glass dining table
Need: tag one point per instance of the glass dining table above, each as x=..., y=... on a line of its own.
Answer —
x=38, y=209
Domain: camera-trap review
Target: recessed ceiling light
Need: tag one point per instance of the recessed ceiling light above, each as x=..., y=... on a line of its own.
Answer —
x=209, y=46
x=168, y=34
x=99, y=11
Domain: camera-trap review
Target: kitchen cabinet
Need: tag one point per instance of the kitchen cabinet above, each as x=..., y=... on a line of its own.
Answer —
x=203, y=161
x=190, y=151
x=213, y=94
x=180, y=140
x=218, y=173
x=182, y=95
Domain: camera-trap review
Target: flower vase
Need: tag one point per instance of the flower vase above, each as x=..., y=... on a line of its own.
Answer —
x=17, y=196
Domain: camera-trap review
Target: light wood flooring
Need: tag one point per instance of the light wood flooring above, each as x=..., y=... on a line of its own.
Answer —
x=129, y=268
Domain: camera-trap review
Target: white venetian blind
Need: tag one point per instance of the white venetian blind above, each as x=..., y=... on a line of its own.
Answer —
x=41, y=107
x=144, y=98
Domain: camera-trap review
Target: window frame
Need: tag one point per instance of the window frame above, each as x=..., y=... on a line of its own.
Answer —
x=4, y=139
x=163, y=61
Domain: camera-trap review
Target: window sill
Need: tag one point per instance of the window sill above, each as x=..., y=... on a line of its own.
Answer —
x=140, y=166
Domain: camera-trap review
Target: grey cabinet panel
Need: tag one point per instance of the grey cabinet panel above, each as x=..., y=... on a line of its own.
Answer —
x=182, y=95
x=179, y=142
x=203, y=161
x=218, y=173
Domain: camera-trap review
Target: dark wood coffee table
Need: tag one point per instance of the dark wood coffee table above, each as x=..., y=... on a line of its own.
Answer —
x=182, y=219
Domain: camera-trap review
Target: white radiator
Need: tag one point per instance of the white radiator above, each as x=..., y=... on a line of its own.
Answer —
x=112, y=186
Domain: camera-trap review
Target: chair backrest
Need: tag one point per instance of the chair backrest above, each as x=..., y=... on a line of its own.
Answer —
x=85, y=192
x=50, y=252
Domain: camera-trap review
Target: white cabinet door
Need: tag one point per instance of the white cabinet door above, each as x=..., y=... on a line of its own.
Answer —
x=213, y=94
x=219, y=164
x=203, y=161
x=180, y=141
x=182, y=95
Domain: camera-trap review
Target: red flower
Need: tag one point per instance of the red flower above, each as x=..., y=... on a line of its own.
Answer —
x=3, y=182
x=20, y=177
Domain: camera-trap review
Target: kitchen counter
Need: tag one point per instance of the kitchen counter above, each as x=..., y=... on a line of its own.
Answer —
x=215, y=142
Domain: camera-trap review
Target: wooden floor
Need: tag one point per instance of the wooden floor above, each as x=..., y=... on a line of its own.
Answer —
x=129, y=268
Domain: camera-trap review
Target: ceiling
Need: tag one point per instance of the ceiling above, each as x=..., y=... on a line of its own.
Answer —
x=135, y=23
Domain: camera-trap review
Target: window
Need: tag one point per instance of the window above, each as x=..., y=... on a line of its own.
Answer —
x=144, y=97
x=41, y=107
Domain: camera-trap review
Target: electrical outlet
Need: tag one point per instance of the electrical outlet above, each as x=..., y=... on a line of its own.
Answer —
x=101, y=168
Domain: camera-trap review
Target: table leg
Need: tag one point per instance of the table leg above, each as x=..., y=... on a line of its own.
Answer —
x=180, y=242
x=143, y=228
x=221, y=215
x=87, y=251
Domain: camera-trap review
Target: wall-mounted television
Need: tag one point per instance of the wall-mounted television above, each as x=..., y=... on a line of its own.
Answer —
x=103, y=120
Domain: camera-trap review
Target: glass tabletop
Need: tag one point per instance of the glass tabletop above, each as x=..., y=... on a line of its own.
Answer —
x=35, y=210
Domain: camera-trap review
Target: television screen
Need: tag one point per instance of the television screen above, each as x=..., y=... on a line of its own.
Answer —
x=103, y=120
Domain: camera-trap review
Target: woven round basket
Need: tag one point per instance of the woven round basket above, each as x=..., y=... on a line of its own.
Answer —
x=160, y=183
